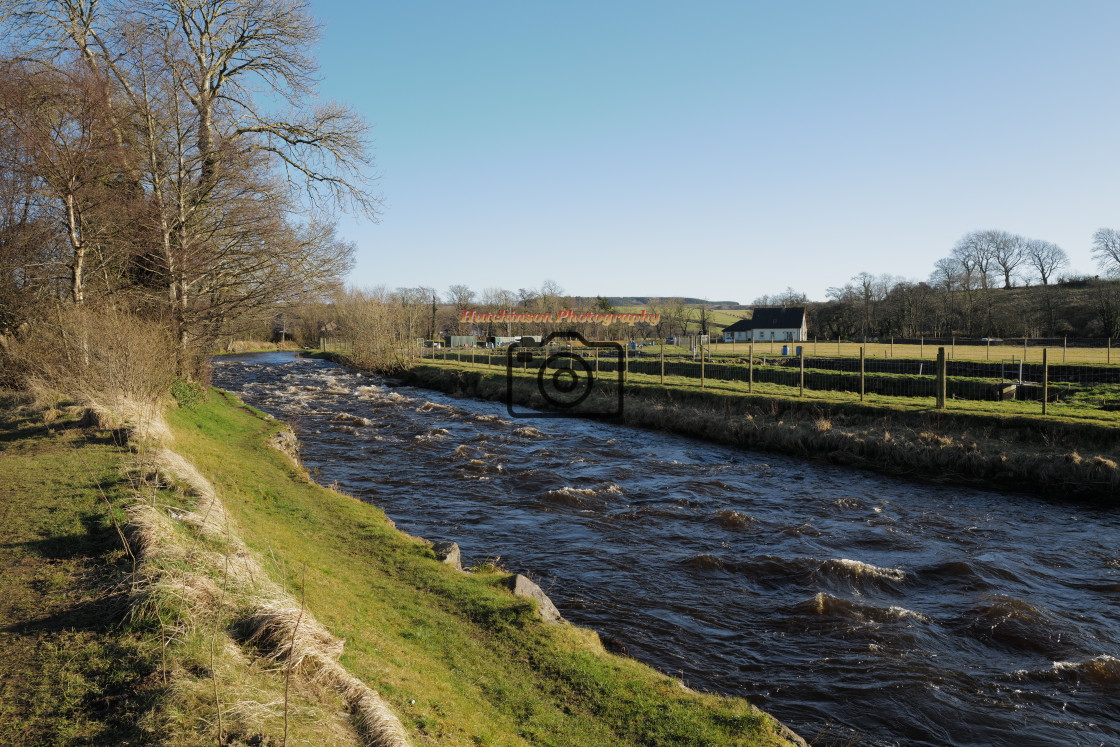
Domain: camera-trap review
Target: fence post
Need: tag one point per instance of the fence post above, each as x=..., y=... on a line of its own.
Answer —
x=750, y=367
x=861, y=373
x=802, y=357
x=1108, y=354
x=1064, y=340
x=663, y=364
x=941, y=378
x=701, y=365
x=892, y=346
x=954, y=353
x=1024, y=349
x=922, y=349
x=1045, y=382
x=837, y=344
x=988, y=349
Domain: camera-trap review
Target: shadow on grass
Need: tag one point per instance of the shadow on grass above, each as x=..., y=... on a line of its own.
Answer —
x=100, y=615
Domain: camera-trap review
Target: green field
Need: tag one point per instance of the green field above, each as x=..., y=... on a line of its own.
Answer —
x=1005, y=351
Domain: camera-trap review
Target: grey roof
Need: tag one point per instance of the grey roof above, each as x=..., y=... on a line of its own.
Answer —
x=743, y=325
x=785, y=318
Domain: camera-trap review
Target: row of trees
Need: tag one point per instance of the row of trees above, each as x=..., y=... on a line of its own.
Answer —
x=970, y=293
x=168, y=158
x=385, y=324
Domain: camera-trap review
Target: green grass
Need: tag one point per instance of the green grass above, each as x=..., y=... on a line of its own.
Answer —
x=71, y=671
x=459, y=659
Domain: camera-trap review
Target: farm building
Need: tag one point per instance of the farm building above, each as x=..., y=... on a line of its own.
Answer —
x=781, y=325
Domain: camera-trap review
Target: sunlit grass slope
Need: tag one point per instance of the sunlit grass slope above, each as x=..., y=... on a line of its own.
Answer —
x=459, y=659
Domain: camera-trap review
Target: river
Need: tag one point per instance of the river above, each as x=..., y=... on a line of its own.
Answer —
x=858, y=609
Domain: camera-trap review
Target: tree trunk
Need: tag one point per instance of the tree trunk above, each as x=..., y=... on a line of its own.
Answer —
x=77, y=265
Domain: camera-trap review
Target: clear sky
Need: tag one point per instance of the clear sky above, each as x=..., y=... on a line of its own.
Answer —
x=722, y=150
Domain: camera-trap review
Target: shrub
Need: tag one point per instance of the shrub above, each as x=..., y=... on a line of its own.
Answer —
x=186, y=393
x=105, y=358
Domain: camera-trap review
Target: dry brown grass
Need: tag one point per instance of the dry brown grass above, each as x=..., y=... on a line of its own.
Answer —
x=119, y=366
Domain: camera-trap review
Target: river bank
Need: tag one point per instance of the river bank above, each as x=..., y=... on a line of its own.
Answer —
x=1055, y=458
x=857, y=607
x=454, y=656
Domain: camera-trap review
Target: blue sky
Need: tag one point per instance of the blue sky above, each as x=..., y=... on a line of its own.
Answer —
x=721, y=150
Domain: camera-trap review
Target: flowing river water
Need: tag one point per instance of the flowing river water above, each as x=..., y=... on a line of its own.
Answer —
x=858, y=609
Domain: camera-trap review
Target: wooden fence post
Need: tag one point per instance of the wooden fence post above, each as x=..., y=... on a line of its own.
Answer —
x=701, y=365
x=802, y=358
x=750, y=368
x=861, y=373
x=1045, y=381
x=662, y=364
x=941, y=378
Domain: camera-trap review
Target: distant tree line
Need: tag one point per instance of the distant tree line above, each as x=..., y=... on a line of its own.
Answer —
x=992, y=284
x=402, y=317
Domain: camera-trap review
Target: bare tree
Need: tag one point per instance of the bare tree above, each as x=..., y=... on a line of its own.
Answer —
x=61, y=144
x=499, y=299
x=704, y=317
x=412, y=302
x=677, y=314
x=1106, y=250
x=790, y=297
x=232, y=184
x=1007, y=253
x=1045, y=258
x=460, y=296
x=976, y=253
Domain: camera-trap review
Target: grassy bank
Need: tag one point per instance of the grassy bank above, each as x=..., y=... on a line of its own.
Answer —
x=1004, y=448
x=71, y=672
x=459, y=659
x=173, y=653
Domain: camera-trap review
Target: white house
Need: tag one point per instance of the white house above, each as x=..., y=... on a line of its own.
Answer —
x=779, y=325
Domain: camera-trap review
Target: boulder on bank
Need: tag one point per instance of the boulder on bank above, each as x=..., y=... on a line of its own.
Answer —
x=285, y=441
x=526, y=589
x=448, y=553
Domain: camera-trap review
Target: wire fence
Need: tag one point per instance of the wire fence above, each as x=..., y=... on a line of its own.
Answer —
x=939, y=378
